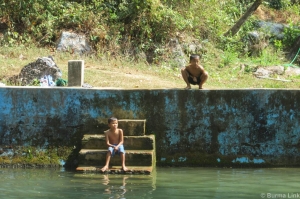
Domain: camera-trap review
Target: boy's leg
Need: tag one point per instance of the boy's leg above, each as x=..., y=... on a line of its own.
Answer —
x=185, y=78
x=108, y=155
x=123, y=162
x=203, y=79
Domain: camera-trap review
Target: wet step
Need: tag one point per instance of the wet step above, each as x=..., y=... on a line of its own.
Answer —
x=117, y=169
x=97, y=157
x=146, y=142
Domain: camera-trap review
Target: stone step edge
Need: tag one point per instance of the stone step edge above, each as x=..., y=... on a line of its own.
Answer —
x=85, y=151
x=130, y=126
x=100, y=136
x=117, y=169
x=132, y=120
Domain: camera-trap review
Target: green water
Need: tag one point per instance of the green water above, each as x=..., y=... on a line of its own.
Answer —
x=171, y=183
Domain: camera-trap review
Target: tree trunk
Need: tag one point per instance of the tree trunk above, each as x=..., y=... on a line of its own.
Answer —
x=295, y=48
x=234, y=29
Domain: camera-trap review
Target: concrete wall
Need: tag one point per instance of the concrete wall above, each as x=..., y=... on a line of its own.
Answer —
x=192, y=127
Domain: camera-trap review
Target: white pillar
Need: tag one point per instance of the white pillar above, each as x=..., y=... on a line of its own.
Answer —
x=75, y=73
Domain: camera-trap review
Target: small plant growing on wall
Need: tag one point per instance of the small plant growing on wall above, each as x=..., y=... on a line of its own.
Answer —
x=61, y=82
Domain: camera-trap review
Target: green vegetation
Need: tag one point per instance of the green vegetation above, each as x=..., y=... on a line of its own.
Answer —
x=32, y=156
x=130, y=39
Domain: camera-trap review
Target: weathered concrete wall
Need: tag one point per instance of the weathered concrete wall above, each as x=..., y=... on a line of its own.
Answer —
x=192, y=127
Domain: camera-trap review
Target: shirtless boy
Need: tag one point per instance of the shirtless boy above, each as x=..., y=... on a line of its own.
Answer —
x=194, y=73
x=114, y=140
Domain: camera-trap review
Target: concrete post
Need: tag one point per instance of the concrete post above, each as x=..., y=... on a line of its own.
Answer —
x=75, y=73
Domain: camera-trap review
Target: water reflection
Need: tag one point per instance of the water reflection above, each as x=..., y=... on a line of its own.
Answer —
x=114, y=191
x=129, y=186
x=120, y=186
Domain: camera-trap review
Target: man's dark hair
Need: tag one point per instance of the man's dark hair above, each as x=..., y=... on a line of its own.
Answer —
x=112, y=119
x=194, y=56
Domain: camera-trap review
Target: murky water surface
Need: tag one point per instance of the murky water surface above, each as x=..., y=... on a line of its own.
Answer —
x=173, y=183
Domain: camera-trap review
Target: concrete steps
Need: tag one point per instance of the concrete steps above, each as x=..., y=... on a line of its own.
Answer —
x=139, y=150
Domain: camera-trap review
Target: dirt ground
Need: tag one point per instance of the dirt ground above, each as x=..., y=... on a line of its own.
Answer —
x=130, y=78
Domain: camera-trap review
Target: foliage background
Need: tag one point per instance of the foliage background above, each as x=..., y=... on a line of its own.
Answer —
x=110, y=23
x=128, y=29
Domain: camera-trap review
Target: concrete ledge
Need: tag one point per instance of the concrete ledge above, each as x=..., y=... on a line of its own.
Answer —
x=117, y=170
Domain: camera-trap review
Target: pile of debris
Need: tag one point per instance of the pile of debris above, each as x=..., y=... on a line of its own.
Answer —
x=43, y=71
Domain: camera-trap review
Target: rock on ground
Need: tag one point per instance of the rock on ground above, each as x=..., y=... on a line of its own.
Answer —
x=43, y=69
x=69, y=41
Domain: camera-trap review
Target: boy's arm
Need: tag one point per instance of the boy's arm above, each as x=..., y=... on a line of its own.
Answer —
x=201, y=69
x=107, y=139
x=121, y=137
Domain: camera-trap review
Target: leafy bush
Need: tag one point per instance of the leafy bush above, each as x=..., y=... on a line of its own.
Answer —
x=279, y=4
x=130, y=27
x=290, y=35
